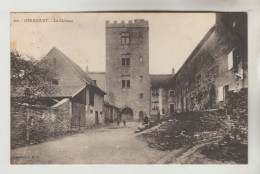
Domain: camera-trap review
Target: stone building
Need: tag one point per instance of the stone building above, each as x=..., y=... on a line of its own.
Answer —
x=73, y=86
x=217, y=65
x=160, y=94
x=127, y=67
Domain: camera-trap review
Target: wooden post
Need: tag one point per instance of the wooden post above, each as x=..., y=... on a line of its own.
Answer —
x=28, y=126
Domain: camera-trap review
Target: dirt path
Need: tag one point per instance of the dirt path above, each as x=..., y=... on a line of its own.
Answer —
x=109, y=145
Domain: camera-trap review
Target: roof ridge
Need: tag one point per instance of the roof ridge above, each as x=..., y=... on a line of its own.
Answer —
x=66, y=59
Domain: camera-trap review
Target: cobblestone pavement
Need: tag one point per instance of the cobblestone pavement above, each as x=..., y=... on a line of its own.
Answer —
x=104, y=145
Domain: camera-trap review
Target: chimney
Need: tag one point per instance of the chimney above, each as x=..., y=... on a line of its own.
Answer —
x=173, y=71
x=87, y=69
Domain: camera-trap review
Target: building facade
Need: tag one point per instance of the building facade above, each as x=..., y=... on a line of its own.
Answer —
x=127, y=67
x=73, y=85
x=217, y=65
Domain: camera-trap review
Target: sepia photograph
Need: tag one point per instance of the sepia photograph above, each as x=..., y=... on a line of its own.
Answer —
x=129, y=88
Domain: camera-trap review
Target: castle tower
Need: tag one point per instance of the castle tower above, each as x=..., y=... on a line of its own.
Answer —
x=127, y=67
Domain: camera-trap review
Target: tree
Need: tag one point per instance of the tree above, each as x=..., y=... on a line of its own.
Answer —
x=30, y=79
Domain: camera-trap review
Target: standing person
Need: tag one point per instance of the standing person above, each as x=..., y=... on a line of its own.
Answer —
x=124, y=117
x=118, y=120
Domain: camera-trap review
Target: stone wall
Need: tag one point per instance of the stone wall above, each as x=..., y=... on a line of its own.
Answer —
x=205, y=78
x=237, y=108
x=34, y=124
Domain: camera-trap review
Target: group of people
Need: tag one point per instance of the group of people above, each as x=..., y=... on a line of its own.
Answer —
x=124, y=118
x=119, y=119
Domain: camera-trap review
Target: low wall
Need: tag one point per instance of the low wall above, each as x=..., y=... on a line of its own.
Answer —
x=237, y=108
x=34, y=124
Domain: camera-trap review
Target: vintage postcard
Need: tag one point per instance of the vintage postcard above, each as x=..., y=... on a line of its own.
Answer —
x=129, y=88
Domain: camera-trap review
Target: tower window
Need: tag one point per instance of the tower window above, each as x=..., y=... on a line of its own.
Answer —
x=125, y=39
x=125, y=59
x=123, y=83
x=54, y=60
x=128, y=83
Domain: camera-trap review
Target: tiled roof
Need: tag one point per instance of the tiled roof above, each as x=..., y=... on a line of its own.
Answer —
x=161, y=80
x=66, y=91
x=80, y=73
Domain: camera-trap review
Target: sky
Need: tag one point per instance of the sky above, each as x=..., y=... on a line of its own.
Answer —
x=172, y=36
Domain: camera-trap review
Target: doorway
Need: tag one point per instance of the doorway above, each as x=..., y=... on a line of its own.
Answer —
x=127, y=114
x=171, y=108
x=96, y=118
x=141, y=116
x=212, y=97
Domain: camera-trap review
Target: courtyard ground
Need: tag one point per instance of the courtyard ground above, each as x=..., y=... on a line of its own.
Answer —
x=189, y=139
x=104, y=145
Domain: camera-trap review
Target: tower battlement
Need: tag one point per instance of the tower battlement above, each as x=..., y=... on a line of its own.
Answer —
x=130, y=23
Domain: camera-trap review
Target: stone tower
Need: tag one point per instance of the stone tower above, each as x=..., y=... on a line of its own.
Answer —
x=127, y=67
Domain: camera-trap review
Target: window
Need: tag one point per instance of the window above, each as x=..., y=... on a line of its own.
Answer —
x=141, y=78
x=141, y=95
x=122, y=38
x=123, y=83
x=54, y=60
x=55, y=82
x=172, y=93
x=155, y=105
x=230, y=60
x=155, y=92
x=91, y=96
x=125, y=39
x=140, y=59
x=128, y=83
x=91, y=111
x=95, y=81
x=222, y=93
x=125, y=59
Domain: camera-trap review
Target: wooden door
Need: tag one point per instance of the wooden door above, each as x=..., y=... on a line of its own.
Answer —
x=96, y=117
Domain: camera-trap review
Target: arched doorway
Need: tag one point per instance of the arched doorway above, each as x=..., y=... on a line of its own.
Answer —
x=127, y=113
